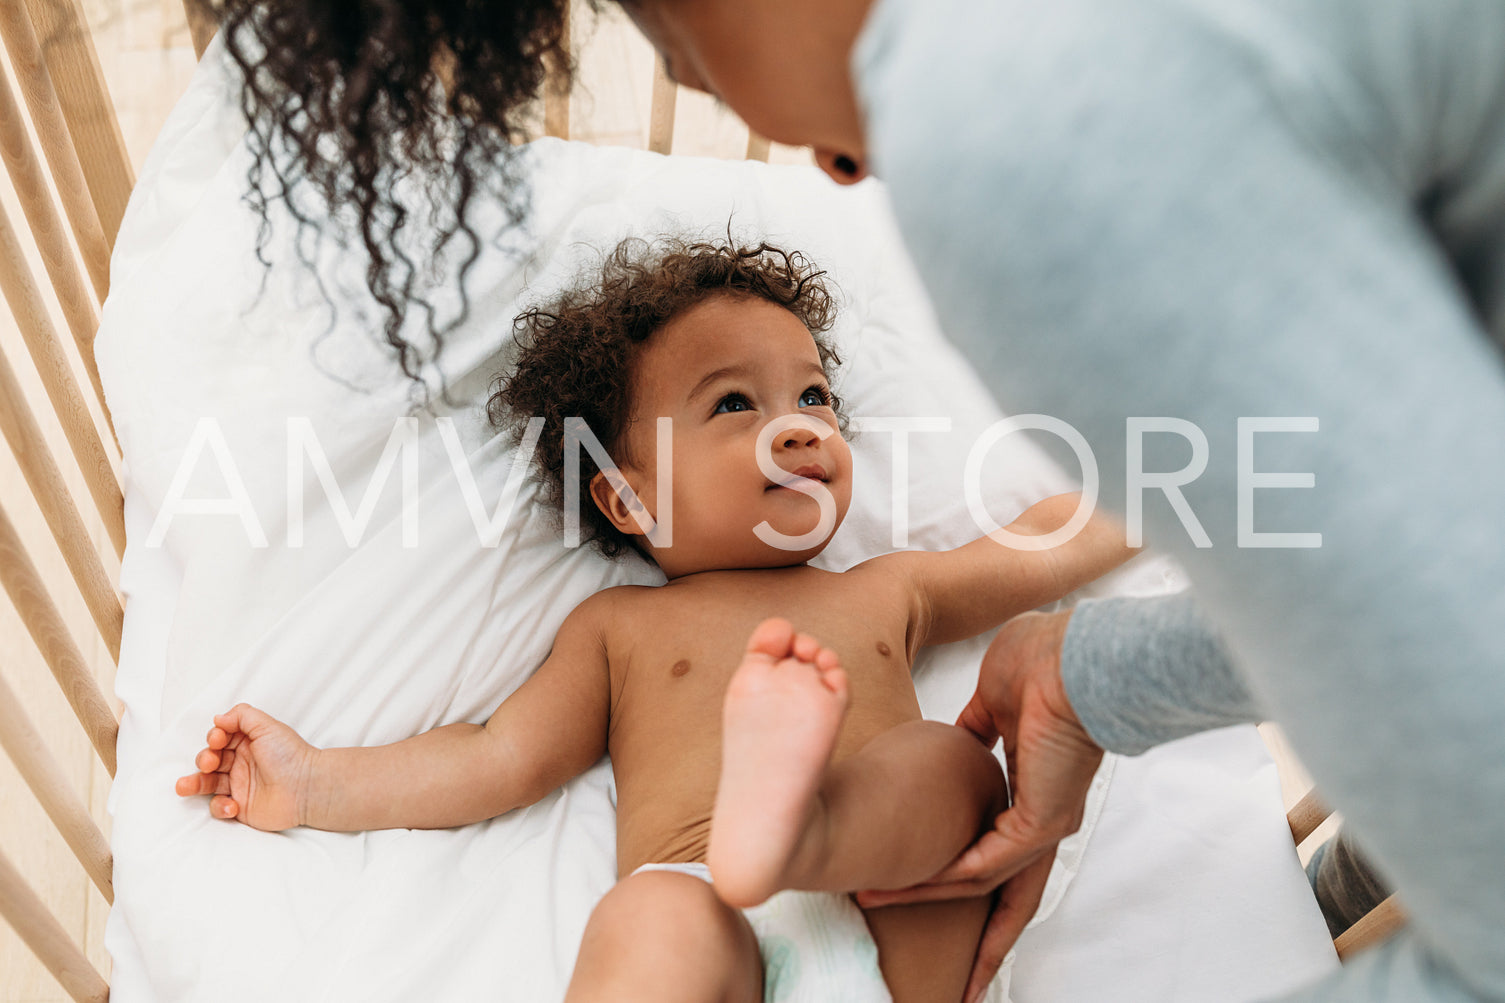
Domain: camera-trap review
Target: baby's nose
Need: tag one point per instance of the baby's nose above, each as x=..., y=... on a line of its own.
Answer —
x=797, y=436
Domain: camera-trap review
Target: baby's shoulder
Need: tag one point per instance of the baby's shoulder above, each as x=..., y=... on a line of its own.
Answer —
x=609, y=607
x=887, y=571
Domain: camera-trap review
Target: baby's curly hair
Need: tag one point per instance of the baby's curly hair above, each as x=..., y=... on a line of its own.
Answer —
x=577, y=353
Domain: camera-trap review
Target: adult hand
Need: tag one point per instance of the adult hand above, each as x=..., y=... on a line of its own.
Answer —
x=1021, y=699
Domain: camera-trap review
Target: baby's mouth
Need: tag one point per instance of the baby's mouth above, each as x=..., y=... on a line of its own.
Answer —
x=810, y=471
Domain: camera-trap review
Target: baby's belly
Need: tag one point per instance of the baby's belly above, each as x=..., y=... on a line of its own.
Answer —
x=666, y=787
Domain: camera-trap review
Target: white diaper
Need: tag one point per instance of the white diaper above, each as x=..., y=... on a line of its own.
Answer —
x=816, y=946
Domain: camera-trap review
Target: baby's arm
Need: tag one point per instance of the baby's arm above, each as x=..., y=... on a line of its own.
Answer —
x=961, y=593
x=552, y=729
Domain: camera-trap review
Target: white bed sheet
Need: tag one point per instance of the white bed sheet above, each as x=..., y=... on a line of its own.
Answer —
x=1183, y=884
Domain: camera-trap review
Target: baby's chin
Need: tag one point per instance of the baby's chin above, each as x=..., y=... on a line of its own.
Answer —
x=749, y=552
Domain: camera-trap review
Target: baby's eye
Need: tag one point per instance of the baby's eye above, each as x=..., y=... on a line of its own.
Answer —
x=732, y=404
x=816, y=396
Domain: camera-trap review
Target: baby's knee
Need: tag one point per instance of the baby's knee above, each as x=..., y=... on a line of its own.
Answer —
x=670, y=908
x=974, y=765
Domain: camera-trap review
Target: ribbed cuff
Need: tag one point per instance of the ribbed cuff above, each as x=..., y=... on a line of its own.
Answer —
x=1140, y=672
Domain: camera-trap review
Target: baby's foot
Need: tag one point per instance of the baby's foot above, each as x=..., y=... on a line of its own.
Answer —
x=783, y=709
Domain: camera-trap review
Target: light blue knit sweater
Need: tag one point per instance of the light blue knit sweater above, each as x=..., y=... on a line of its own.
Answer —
x=1223, y=209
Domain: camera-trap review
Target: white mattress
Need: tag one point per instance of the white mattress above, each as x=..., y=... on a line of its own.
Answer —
x=1183, y=884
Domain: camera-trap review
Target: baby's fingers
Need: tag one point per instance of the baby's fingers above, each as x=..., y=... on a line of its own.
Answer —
x=209, y=761
x=198, y=784
x=241, y=720
x=223, y=807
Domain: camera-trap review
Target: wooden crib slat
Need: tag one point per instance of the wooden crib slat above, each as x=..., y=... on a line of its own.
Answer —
x=28, y=593
x=20, y=291
x=201, y=26
x=41, y=931
x=1306, y=816
x=73, y=65
x=37, y=766
x=47, y=229
x=46, y=483
x=661, y=110
x=556, y=90
x=52, y=131
x=758, y=147
x=1382, y=921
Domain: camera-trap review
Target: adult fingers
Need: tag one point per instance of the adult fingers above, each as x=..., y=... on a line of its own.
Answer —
x=1018, y=901
x=979, y=869
x=976, y=718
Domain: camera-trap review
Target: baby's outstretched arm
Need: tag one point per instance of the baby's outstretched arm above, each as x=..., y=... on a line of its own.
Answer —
x=552, y=729
x=961, y=593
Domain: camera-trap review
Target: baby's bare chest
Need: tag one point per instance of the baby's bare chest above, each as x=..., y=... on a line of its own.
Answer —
x=672, y=661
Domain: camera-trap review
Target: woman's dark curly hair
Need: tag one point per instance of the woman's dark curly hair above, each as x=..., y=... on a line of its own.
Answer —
x=576, y=354
x=365, y=93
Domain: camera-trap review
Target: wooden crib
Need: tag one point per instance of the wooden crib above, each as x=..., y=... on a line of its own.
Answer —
x=61, y=539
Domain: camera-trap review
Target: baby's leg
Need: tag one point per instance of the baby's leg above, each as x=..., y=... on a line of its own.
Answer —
x=925, y=950
x=664, y=937
x=890, y=816
x=928, y=790
x=899, y=810
x=784, y=707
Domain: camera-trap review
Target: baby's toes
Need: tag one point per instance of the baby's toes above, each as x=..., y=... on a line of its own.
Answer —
x=806, y=647
x=835, y=680
x=771, y=638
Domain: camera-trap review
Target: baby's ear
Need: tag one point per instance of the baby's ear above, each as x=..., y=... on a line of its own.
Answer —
x=618, y=500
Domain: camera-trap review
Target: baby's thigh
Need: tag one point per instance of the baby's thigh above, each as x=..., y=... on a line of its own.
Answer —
x=926, y=950
x=665, y=937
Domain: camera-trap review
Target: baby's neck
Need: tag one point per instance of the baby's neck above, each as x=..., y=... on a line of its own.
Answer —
x=685, y=574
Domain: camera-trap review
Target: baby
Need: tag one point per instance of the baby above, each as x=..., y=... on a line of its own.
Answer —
x=761, y=774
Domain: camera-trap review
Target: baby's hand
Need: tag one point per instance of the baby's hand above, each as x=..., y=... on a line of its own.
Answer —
x=256, y=767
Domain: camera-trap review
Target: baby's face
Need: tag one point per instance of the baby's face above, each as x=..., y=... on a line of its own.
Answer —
x=728, y=371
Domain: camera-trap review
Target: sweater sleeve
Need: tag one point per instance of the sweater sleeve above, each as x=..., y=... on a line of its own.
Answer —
x=1140, y=672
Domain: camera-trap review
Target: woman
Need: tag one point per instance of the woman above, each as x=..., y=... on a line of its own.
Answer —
x=1280, y=225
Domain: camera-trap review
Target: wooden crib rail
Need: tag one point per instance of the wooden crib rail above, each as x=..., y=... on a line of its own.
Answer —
x=51, y=124
x=66, y=164
x=1306, y=816
x=20, y=290
x=72, y=65
x=663, y=103
x=23, y=910
x=201, y=26
x=1379, y=923
x=79, y=307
